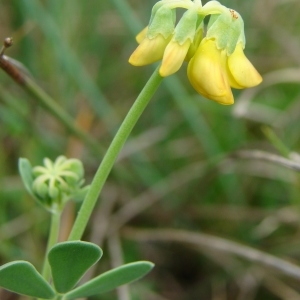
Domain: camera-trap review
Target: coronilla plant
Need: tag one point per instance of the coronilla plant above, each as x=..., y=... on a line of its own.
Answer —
x=216, y=63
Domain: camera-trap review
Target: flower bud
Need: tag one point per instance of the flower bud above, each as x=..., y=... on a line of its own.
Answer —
x=177, y=49
x=157, y=37
x=149, y=51
x=174, y=56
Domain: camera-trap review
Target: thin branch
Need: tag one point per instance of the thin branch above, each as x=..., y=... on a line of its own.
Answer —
x=267, y=156
x=280, y=289
x=216, y=243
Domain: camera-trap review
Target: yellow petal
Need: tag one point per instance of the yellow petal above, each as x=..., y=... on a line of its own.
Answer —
x=207, y=73
x=232, y=82
x=149, y=51
x=141, y=35
x=244, y=75
x=173, y=57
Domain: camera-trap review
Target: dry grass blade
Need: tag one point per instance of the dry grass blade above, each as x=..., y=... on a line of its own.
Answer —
x=267, y=156
x=215, y=243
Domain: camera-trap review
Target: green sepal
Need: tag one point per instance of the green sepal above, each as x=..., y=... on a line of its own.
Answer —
x=212, y=20
x=163, y=23
x=25, y=170
x=212, y=8
x=21, y=277
x=155, y=8
x=69, y=261
x=27, y=175
x=111, y=280
x=226, y=30
x=186, y=26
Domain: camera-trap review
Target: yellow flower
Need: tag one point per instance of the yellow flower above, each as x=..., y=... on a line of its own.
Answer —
x=207, y=73
x=173, y=58
x=149, y=51
x=216, y=59
x=212, y=73
x=243, y=74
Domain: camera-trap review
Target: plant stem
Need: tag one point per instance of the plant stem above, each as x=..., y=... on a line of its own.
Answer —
x=276, y=141
x=112, y=154
x=52, y=240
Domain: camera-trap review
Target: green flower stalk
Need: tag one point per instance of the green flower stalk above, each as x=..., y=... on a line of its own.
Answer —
x=216, y=61
x=53, y=185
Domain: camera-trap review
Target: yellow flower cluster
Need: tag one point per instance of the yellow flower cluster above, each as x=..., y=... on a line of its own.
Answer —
x=212, y=73
x=215, y=63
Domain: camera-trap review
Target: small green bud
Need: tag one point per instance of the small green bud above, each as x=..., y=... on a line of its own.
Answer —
x=74, y=169
x=54, y=191
x=41, y=190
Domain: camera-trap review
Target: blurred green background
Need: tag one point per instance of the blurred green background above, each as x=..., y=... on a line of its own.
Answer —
x=190, y=165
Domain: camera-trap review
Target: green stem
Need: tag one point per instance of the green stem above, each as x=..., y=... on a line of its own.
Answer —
x=112, y=154
x=52, y=240
x=276, y=141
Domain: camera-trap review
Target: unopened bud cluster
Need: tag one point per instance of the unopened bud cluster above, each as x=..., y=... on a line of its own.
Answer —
x=56, y=182
x=216, y=60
